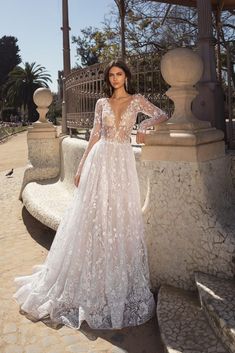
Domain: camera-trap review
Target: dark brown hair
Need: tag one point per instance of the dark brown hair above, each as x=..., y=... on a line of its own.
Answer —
x=108, y=89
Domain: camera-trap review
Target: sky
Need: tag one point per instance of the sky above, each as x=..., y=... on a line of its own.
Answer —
x=36, y=25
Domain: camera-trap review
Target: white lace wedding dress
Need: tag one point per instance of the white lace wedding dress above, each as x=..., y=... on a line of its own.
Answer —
x=97, y=267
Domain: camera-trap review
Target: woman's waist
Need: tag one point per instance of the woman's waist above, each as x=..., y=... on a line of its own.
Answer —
x=126, y=141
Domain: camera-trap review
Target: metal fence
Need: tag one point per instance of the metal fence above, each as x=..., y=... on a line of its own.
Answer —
x=84, y=86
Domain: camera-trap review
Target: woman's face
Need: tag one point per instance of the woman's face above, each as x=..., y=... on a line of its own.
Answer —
x=116, y=77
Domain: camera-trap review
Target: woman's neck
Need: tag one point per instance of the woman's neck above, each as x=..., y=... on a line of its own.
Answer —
x=120, y=93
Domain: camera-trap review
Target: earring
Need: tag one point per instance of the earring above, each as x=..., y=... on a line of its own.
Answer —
x=126, y=84
x=110, y=91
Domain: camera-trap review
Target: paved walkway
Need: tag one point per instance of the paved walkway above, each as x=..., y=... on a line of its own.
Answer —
x=24, y=243
x=13, y=151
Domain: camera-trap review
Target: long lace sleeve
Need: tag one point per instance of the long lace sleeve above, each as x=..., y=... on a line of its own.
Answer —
x=156, y=114
x=94, y=136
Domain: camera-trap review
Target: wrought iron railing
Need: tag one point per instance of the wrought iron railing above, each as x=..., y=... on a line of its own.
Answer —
x=84, y=86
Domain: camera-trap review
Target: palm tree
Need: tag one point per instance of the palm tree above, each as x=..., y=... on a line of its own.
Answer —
x=21, y=85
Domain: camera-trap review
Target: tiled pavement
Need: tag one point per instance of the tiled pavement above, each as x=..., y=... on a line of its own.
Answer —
x=24, y=242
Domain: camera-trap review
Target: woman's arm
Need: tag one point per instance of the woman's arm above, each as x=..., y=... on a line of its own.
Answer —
x=157, y=116
x=94, y=137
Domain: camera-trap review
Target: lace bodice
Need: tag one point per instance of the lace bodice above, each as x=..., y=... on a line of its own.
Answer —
x=104, y=126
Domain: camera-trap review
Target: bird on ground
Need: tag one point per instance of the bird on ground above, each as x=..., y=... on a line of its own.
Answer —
x=10, y=172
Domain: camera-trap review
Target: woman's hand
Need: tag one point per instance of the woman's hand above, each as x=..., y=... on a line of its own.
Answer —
x=76, y=179
x=140, y=137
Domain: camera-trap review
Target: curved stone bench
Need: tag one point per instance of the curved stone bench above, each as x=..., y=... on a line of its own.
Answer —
x=46, y=200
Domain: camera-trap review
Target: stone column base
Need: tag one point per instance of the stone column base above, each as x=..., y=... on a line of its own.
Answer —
x=41, y=131
x=198, y=153
x=189, y=218
x=180, y=145
x=188, y=209
x=43, y=154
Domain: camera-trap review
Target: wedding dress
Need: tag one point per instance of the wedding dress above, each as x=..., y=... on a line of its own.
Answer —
x=97, y=267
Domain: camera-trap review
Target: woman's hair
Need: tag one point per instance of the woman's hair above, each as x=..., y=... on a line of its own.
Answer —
x=108, y=89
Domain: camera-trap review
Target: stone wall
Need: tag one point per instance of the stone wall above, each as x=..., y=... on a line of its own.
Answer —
x=189, y=219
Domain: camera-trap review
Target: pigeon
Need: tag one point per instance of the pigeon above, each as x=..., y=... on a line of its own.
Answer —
x=10, y=173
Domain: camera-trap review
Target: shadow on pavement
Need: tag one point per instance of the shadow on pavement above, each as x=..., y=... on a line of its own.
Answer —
x=140, y=339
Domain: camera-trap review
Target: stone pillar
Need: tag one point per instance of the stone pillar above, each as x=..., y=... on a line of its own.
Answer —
x=43, y=143
x=209, y=104
x=66, y=60
x=190, y=222
x=193, y=139
x=65, y=29
x=122, y=14
x=64, y=130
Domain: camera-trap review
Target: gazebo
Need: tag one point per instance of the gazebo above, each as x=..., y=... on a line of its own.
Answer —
x=225, y=5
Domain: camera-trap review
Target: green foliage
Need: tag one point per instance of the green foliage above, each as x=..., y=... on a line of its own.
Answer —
x=21, y=85
x=95, y=46
x=87, y=47
x=6, y=131
x=55, y=110
x=7, y=112
x=145, y=31
x=9, y=56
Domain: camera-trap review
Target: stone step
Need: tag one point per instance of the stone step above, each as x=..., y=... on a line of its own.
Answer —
x=183, y=325
x=217, y=297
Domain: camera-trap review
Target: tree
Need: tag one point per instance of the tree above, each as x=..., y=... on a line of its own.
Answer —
x=155, y=27
x=147, y=29
x=89, y=45
x=95, y=46
x=55, y=109
x=21, y=85
x=9, y=58
x=226, y=30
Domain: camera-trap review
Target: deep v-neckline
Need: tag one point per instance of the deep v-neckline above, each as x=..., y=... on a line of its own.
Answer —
x=123, y=113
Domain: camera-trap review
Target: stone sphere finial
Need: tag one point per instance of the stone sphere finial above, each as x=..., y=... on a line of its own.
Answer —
x=42, y=98
x=181, y=67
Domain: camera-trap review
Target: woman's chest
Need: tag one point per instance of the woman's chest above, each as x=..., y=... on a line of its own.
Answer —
x=118, y=118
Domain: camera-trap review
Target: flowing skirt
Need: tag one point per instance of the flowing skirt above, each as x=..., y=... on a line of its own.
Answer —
x=97, y=267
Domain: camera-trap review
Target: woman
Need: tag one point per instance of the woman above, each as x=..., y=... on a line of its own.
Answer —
x=97, y=267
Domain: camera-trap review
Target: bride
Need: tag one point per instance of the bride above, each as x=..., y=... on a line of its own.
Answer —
x=97, y=267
